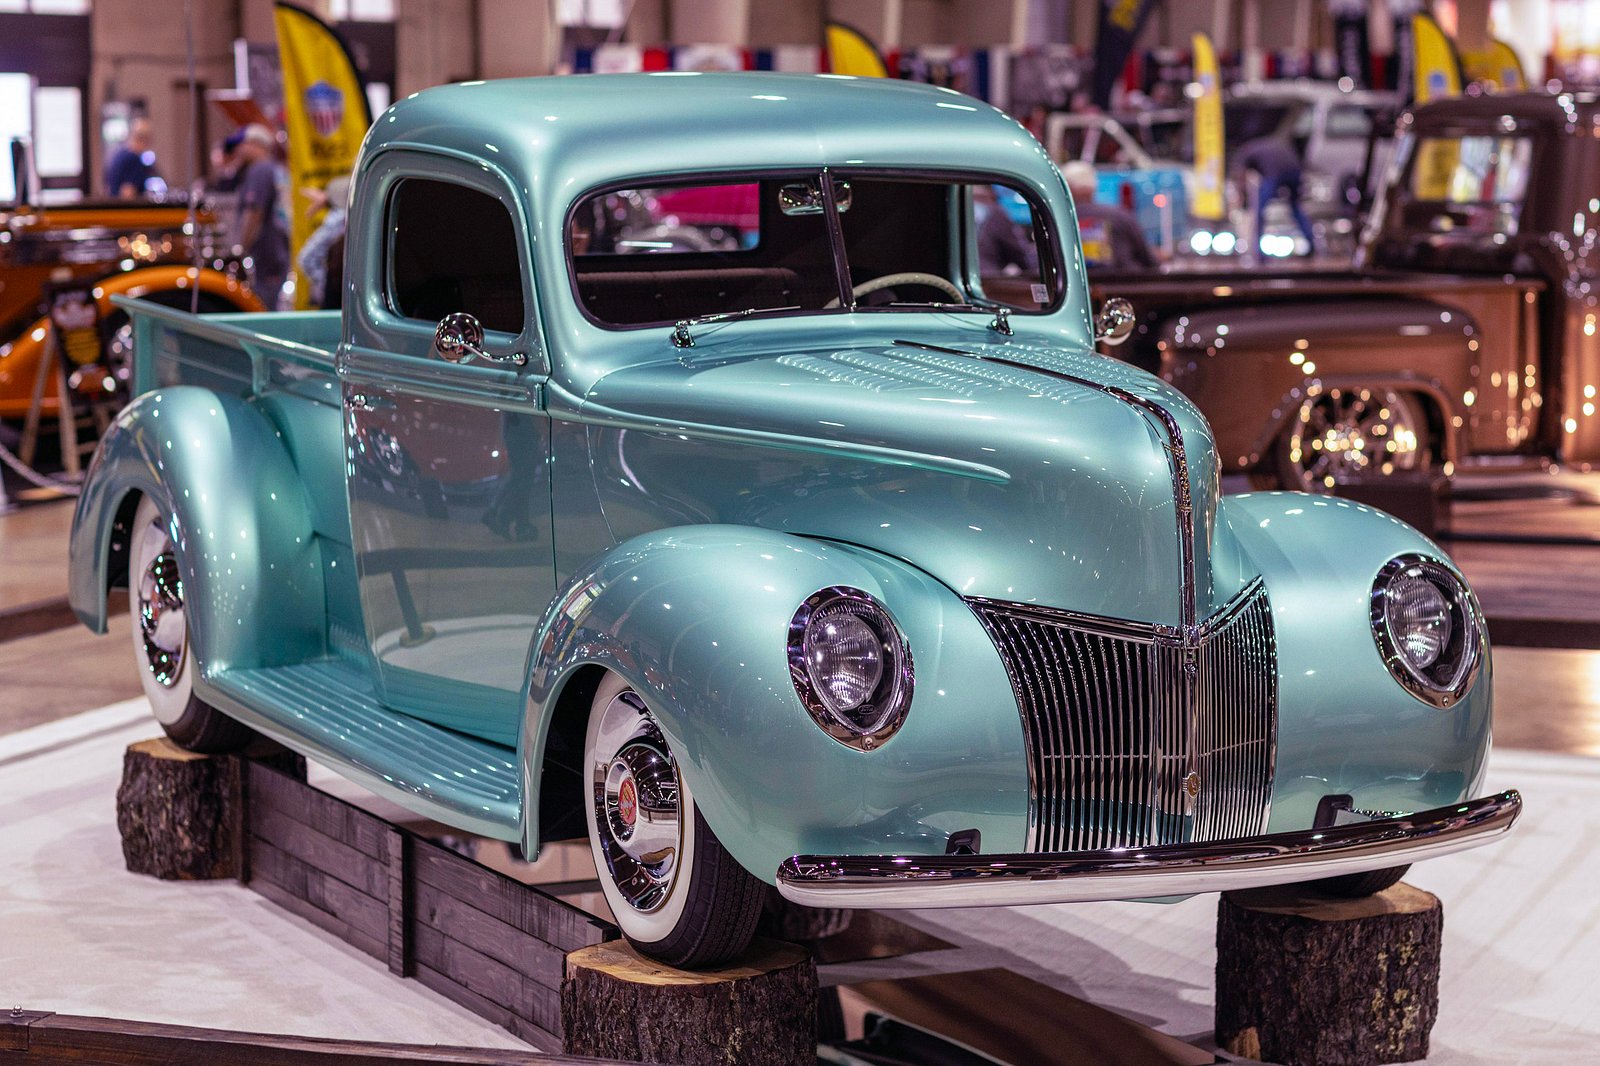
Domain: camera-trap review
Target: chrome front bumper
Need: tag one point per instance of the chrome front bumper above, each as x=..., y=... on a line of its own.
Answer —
x=889, y=881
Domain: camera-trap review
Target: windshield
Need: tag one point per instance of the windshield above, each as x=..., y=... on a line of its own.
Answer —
x=661, y=253
x=1472, y=183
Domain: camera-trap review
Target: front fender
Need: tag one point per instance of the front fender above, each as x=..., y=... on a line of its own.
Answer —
x=696, y=619
x=1344, y=724
x=251, y=573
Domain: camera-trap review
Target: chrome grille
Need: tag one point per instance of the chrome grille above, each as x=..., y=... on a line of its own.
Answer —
x=1113, y=731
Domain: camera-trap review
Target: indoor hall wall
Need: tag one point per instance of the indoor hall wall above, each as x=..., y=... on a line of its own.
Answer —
x=775, y=22
x=135, y=55
x=436, y=41
x=516, y=38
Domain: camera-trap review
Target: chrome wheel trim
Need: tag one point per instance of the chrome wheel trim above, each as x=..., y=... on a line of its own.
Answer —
x=160, y=618
x=637, y=815
x=1351, y=435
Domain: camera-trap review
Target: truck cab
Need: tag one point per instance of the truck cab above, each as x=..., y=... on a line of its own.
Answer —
x=1463, y=340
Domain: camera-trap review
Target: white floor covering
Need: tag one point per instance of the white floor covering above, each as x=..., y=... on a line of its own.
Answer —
x=78, y=934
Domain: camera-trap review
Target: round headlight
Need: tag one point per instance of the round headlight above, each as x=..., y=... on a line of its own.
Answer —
x=850, y=666
x=1427, y=628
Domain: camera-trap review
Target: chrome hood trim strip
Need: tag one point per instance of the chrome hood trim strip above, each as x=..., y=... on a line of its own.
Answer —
x=904, y=881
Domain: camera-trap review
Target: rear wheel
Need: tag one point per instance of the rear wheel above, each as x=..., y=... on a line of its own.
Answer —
x=675, y=891
x=1355, y=886
x=161, y=645
x=1345, y=436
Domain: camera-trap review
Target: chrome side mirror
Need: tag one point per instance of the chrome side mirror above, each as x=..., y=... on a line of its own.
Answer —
x=1115, y=321
x=459, y=339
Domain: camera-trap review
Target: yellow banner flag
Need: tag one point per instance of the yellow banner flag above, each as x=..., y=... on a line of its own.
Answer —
x=325, y=114
x=850, y=52
x=1437, y=71
x=1209, y=165
x=1497, y=66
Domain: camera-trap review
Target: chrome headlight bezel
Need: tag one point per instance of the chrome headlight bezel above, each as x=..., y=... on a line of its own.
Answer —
x=1444, y=682
x=890, y=700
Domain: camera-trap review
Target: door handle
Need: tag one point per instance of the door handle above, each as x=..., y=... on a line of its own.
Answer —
x=361, y=401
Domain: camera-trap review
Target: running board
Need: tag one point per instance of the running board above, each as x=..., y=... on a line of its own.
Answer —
x=329, y=711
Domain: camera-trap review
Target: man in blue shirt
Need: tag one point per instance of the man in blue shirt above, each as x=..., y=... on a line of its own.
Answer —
x=132, y=169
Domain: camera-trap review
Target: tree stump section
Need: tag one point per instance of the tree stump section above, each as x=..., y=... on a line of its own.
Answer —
x=758, y=1011
x=180, y=813
x=1306, y=980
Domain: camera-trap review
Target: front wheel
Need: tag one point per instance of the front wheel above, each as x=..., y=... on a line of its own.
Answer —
x=161, y=645
x=1357, y=886
x=677, y=894
x=1345, y=436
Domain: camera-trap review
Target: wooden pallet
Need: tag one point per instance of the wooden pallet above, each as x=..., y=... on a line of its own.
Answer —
x=490, y=943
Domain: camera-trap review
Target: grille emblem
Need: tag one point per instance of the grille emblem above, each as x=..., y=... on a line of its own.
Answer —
x=1191, y=785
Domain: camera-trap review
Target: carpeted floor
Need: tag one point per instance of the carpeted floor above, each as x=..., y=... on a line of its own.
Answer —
x=78, y=934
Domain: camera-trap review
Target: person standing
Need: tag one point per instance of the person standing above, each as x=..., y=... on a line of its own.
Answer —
x=131, y=172
x=1277, y=165
x=1112, y=237
x=260, y=228
x=314, y=261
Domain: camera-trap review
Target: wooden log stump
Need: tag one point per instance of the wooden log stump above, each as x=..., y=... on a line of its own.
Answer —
x=179, y=812
x=1306, y=980
x=758, y=1011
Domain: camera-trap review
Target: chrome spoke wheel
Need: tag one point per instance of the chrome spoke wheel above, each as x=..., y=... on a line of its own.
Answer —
x=1351, y=435
x=638, y=814
x=162, y=624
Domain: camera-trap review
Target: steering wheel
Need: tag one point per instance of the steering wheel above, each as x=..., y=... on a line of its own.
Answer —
x=914, y=277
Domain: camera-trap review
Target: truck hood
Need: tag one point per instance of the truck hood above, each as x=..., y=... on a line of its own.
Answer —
x=1013, y=471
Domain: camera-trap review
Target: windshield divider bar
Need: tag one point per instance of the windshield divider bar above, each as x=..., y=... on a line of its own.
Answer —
x=841, y=265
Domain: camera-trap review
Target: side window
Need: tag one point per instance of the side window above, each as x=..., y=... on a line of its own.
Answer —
x=452, y=248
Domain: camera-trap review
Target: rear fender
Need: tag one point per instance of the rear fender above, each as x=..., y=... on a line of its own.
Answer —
x=251, y=569
x=696, y=619
x=1345, y=725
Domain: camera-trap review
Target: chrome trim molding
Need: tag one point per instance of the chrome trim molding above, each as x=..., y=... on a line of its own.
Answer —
x=1466, y=615
x=1134, y=735
x=897, y=881
x=896, y=686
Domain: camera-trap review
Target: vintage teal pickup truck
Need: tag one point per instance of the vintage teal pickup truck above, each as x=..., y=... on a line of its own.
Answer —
x=673, y=477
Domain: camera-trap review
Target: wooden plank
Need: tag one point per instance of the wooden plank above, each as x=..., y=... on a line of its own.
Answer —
x=14, y=1025
x=519, y=1027
x=286, y=899
x=401, y=908
x=331, y=817
x=362, y=912
x=523, y=907
x=71, y=1039
x=482, y=932
x=492, y=980
x=322, y=852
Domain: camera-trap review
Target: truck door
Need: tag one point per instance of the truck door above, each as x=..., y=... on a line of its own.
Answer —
x=446, y=460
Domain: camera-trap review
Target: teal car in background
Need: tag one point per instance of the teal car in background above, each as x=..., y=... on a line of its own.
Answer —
x=830, y=557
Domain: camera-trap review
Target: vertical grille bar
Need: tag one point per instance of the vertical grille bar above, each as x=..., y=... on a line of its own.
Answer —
x=1107, y=724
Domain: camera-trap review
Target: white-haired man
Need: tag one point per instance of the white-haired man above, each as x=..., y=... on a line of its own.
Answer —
x=260, y=223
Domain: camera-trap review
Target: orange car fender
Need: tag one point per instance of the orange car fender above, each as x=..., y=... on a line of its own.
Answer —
x=19, y=357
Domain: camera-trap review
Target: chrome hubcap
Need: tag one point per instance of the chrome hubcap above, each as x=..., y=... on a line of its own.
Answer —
x=1347, y=436
x=637, y=813
x=161, y=616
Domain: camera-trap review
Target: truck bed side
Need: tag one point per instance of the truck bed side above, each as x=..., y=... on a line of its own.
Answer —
x=284, y=365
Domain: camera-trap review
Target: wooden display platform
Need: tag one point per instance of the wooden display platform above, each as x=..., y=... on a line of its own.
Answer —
x=41, y=1038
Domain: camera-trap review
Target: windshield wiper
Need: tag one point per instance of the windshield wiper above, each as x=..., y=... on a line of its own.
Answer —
x=1002, y=313
x=681, y=337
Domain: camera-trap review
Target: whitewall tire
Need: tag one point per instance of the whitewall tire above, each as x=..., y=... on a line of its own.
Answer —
x=676, y=893
x=162, y=650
